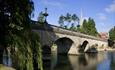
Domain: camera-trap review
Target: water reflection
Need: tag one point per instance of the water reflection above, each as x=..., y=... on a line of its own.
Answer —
x=99, y=61
x=7, y=58
x=108, y=63
x=63, y=63
x=112, y=64
x=84, y=62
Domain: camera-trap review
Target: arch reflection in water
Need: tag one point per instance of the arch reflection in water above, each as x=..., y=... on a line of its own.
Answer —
x=71, y=62
x=60, y=47
x=63, y=45
x=59, y=51
x=86, y=61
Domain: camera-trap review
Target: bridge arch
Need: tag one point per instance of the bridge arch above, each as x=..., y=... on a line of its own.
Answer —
x=62, y=45
x=83, y=46
x=46, y=49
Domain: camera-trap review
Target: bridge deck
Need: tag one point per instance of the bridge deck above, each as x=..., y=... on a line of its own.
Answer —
x=57, y=29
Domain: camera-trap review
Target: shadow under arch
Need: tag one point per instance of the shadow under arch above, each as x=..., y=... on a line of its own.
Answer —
x=60, y=49
x=83, y=46
x=46, y=49
x=62, y=45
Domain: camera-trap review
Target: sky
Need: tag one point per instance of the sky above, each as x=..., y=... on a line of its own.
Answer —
x=102, y=11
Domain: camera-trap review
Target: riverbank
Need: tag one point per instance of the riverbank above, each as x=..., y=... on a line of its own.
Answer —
x=110, y=49
x=107, y=49
x=2, y=67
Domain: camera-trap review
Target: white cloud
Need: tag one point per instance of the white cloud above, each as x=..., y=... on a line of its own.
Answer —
x=102, y=24
x=111, y=8
x=114, y=1
x=52, y=3
x=86, y=18
x=102, y=16
x=103, y=27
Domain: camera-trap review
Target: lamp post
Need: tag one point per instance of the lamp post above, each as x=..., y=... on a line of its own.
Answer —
x=45, y=15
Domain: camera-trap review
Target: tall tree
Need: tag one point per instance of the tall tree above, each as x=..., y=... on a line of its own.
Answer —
x=75, y=18
x=92, y=29
x=72, y=27
x=112, y=33
x=83, y=29
x=16, y=33
x=68, y=18
x=89, y=27
x=61, y=21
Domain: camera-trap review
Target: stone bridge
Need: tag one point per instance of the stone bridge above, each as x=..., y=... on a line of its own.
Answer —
x=66, y=41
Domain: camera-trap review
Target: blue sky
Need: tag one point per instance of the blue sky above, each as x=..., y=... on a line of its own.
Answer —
x=102, y=11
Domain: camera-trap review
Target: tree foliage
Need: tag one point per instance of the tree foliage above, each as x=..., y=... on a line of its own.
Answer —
x=68, y=21
x=112, y=33
x=75, y=18
x=89, y=28
x=16, y=35
x=72, y=27
x=68, y=18
x=61, y=21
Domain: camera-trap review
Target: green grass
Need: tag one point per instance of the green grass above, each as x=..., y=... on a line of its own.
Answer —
x=2, y=67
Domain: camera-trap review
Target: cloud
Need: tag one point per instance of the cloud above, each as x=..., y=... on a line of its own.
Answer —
x=102, y=24
x=52, y=3
x=86, y=18
x=114, y=1
x=111, y=8
x=103, y=27
x=102, y=16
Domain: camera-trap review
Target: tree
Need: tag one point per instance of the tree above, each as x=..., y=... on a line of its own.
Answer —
x=16, y=34
x=89, y=27
x=61, y=21
x=91, y=30
x=75, y=18
x=72, y=27
x=83, y=29
x=112, y=33
x=68, y=18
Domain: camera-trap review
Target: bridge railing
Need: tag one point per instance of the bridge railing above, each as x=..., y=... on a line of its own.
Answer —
x=66, y=31
x=61, y=30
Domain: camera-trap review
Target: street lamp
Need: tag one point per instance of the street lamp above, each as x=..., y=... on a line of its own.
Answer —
x=45, y=15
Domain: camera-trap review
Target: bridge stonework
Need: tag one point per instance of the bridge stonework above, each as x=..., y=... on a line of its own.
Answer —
x=50, y=35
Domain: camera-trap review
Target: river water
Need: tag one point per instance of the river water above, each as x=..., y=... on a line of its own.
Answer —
x=88, y=61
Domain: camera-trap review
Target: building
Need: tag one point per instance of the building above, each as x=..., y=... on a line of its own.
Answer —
x=104, y=35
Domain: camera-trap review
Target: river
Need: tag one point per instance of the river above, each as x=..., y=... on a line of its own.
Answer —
x=88, y=61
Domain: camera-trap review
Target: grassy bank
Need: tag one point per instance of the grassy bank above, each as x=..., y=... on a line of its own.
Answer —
x=2, y=67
